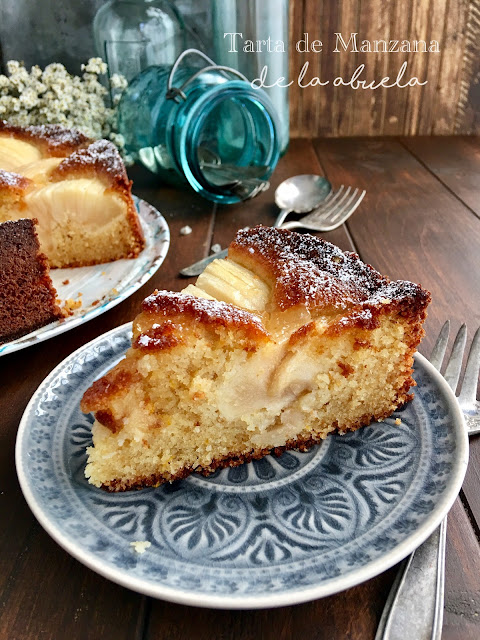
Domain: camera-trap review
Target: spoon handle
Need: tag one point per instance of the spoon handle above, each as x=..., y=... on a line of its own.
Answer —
x=197, y=268
x=281, y=217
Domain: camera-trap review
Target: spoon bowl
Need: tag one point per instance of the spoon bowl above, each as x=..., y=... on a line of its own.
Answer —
x=302, y=193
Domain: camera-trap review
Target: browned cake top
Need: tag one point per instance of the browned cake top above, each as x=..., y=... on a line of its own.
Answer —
x=13, y=182
x=205, y=312
x=100, y=159
x=303, y=269
x=53, y=139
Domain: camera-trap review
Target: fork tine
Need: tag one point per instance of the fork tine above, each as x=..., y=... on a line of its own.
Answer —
x=354, y=208
x=326, y=204
x=350, y=207
x=470, y=379
x=338, y=204
x=440, y=346
x=332, y=217
x=452, y=372
x=325, y=212
x=346, y=214
x=330, y=195
x=328, y=217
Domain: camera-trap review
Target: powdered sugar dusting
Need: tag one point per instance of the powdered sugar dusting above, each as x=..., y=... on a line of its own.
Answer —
x=205, y=311
x=55, y=136
x=100, y=156
x=309, y=270
x=144, y=340
x=12, y=180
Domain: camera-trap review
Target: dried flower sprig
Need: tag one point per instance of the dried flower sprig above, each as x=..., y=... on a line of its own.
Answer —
x=53, y=96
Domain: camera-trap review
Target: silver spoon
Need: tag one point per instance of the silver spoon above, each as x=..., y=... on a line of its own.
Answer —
x=300, y=194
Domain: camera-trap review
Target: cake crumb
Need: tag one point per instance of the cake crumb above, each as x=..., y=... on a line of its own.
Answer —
x=70, y=305
x=140, y=546
x=115, y=292
x=104, y=273
x=95, y=302
x=398, y=421
x=186, y=230
x=216, y=248
x=66, y=282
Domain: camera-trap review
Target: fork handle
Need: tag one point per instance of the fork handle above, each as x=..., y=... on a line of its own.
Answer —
x=415, y=609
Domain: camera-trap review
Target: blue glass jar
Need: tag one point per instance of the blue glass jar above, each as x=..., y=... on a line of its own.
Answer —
x=201, y=124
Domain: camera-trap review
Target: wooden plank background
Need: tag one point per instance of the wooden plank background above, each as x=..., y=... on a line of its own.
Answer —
x=448, y=104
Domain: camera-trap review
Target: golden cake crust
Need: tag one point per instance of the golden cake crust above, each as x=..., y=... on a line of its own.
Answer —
x=304, y=269
x=100, y=159
x=13, y=183
x=82, y=159
x=209, y=313
x=52, y=139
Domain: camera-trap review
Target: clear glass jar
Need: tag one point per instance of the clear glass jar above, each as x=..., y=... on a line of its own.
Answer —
x=131, y=35
x=201, y=124
x=264, y=24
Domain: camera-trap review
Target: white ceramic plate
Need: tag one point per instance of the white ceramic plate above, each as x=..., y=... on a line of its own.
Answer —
x=103, y=286
x=273, y=532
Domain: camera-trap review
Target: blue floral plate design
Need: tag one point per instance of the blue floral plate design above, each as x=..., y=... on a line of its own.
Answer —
x=103, y=286
x=274, y=532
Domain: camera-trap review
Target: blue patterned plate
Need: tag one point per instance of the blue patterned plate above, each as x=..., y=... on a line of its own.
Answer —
x=102, y=286
x=273, y=532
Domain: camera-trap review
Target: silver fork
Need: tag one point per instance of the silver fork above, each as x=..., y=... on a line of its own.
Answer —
x=337, y=207
x=414, y=607
x=332, y=213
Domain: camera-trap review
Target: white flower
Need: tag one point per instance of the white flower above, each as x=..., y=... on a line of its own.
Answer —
x=118, y=82
x=29, y=98
x=13, y=66
x=54, y=96
x=95, y=65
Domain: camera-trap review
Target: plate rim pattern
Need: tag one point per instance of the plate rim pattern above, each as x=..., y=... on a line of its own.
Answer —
x=61, y=326
x=274, y=599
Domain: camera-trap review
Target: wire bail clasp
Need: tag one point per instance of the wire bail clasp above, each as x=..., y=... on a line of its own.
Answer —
x=177, y=93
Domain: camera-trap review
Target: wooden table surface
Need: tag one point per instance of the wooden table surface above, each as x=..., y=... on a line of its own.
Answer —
x=419, y=221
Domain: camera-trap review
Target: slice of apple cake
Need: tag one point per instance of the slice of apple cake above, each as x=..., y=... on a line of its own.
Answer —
x=275, y=347
x=78, y=190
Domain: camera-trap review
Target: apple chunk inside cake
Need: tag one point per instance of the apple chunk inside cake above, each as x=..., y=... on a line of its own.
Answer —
x=280, y=344
x=76, y=189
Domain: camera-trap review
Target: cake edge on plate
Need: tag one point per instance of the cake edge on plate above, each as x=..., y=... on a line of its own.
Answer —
x=27, y=295
x=322, y=315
